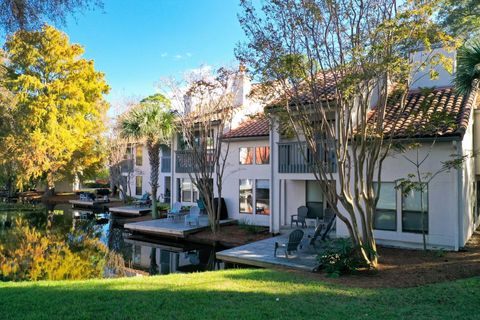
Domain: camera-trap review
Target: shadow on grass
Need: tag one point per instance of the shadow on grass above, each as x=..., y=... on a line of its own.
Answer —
x=245, y=294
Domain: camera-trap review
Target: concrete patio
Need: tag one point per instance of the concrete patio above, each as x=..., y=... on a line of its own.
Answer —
x=260, y=254
x=173, y=228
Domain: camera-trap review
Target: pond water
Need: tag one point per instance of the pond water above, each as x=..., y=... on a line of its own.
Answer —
x=141, y=255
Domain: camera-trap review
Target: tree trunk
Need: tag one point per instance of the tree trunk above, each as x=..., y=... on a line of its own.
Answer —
x=154, y=159
x=49, y=187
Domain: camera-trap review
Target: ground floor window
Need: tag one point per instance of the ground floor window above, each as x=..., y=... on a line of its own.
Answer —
x=314, y=201
x=186, y=191
x=262, y=197
x=386, y=212
x=414, y=214
x=246, y=196
x=138, y=185
x=254, y=191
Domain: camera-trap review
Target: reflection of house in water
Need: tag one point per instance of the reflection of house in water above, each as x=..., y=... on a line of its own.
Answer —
x=172, y=257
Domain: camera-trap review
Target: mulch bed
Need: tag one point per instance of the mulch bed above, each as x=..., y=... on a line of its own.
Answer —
x=400, y=268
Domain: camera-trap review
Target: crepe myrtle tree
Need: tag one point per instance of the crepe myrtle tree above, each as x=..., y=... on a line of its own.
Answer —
x=206, y=101
x=151, y=122
x=326, y=64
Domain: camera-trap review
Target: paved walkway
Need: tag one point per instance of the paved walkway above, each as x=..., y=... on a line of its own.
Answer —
x=260, y=254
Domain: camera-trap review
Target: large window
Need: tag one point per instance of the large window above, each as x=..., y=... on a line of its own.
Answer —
x=412, y=218
x=386, y=213
x=138, y=155
x=187, y=191
x=262, y=155
x=138, y=185
x=246, y=155
x=262, y=197
x=246, y=196
x=314, y=199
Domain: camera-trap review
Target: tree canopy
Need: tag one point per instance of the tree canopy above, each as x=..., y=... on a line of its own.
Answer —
x=57, y=120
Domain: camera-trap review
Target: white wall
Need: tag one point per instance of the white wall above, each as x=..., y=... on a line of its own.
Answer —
x=234, y=171
x=421, y=78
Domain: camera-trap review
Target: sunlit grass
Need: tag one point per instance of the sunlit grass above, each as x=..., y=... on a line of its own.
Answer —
x=233, y=294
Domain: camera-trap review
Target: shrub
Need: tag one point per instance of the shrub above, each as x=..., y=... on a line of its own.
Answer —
x=249, y=227
x=339, y=256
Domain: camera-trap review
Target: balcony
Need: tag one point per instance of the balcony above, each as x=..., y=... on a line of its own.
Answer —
x=166, y=164
x=184, y=161
x=295, y=157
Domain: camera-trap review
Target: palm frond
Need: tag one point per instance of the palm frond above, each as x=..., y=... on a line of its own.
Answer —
x=468, y=67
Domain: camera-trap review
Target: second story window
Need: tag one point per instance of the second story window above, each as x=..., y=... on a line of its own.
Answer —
x=246, y=155
x=262, y=155
x=138, y=156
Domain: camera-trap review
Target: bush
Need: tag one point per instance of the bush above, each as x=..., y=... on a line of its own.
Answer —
x=250, y=227
x=339, y=256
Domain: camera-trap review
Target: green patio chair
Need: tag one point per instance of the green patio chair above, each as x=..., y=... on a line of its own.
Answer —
x=301, y=216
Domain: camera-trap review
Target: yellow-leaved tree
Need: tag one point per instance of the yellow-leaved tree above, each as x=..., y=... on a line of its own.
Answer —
x=59, y=110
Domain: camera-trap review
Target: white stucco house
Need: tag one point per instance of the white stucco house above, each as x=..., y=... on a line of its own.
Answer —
x=266, y=179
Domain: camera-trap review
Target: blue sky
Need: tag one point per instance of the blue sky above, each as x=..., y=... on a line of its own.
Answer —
x=137, y=42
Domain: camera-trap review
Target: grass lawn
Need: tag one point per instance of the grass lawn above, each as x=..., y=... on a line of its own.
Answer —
x=234, y=294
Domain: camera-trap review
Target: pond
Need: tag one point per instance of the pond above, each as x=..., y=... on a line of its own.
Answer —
x=93, y=234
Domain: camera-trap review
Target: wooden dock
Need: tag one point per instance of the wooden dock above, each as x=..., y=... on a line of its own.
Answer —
x=130, y=210
x=171, y=228
x=87, y=204
x=260, y=254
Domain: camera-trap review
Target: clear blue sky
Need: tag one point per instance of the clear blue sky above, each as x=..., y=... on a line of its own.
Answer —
x=137, y=42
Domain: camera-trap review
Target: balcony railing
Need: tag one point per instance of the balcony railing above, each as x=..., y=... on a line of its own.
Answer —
x=166, y=164
x=185, y=162
x=295, y=157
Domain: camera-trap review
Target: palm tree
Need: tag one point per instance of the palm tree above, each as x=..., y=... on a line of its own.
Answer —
x=468, y=67
x=150, y=121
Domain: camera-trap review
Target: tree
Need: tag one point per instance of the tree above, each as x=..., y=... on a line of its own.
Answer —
x=208, y=108
x=150, y=121
x=468, y=67
x=327, y=63
x=460, y=18
x=30, y=14
x=58, y=118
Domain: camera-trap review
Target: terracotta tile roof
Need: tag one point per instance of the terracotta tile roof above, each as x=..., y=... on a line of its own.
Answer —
x=420, y=105
x=259, y=127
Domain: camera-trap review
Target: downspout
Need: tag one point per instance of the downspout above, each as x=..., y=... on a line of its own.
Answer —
x=458, y=222
x=272, y=173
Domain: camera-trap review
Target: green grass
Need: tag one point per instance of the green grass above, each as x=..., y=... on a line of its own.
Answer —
x=233, y=294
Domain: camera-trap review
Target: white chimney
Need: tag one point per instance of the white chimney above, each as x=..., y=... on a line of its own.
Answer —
x=421, y=77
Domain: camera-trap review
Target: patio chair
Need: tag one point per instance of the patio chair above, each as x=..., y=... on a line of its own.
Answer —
x=301, y=217
x=143, y=201
x=294, y=240
x=327, y=223
x=193, y=216
x=174, y=211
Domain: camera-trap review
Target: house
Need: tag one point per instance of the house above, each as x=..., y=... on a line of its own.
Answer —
x=267, y=179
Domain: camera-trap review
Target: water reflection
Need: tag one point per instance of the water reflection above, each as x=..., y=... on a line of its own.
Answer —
x=139, y=255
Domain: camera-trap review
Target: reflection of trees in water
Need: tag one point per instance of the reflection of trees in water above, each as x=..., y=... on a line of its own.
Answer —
x=116, y=242
x=153, y=270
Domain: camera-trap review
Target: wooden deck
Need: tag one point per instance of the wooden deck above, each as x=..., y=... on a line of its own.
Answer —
x=260, y=254
x=170, y=228
x=130, y=210
x=87, y=204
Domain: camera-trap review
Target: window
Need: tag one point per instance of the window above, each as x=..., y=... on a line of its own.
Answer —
x=128, y=153
x=246, y=155
x=412, y=210
x=138, y=155
x=314, y=201
x=262, y=155
x=138, y=185
x=386, y=212
x=262, y=197
x=246, y=196
x=187, y=191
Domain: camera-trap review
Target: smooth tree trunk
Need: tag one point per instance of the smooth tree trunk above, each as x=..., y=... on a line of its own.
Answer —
x=154, y=160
